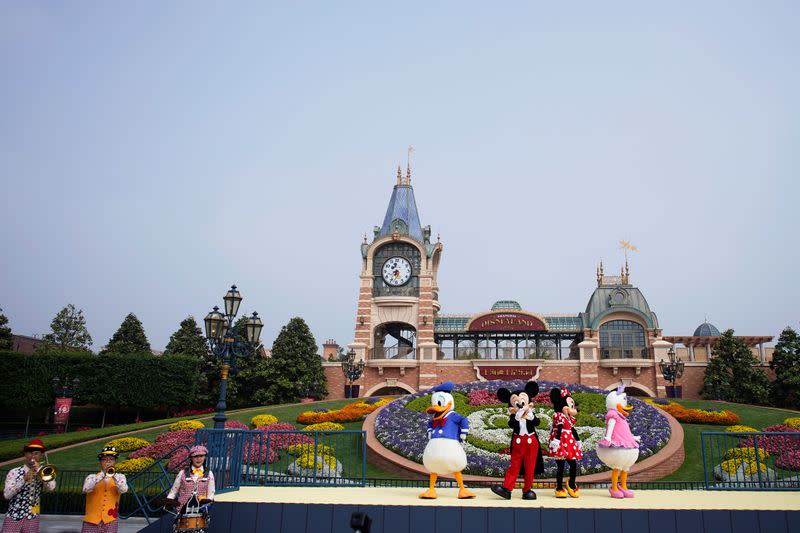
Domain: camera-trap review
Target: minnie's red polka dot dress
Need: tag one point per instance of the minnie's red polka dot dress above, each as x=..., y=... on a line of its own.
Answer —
x=568, y=448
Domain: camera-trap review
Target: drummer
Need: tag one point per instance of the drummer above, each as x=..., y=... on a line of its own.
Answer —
x=195, y=478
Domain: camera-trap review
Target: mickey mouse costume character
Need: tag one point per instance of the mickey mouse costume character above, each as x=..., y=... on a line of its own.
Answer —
x=444, y=453
x=525, y=450
x=565, y=445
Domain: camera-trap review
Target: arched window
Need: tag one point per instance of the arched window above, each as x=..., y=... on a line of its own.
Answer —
x=622, y=339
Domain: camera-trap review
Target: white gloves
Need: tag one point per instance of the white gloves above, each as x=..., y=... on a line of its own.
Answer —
x=555, y=445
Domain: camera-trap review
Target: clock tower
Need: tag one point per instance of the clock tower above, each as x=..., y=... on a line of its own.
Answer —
x=398, y=296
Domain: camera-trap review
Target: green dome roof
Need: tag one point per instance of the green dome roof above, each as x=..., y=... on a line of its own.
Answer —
x=506, y=305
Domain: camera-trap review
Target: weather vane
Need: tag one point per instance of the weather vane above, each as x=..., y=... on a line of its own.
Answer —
x=626, y=245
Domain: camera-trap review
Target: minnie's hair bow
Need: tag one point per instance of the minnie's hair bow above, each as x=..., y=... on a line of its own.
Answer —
x=564, y=392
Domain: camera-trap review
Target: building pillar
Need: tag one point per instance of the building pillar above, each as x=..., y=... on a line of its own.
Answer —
x=690, y=349
x=589, y=363
x=761, y=355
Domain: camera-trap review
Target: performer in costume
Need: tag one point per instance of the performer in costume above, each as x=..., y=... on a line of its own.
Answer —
x=565, y=445
x=102, y=495
x=619, y=449
x=195, y=482
x=444, y=453
x=525, y=451
x=23, y=489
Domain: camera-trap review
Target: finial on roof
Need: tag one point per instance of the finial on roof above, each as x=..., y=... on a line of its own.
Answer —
x=408, y=165
x=627, y=274
x=365, y=238
x=399, y=175
x=438, y=237
x=599, y=272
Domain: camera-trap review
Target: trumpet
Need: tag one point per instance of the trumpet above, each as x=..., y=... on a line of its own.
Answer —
x=110, y=471
x=47, y=472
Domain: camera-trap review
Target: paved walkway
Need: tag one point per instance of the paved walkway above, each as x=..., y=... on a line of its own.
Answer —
x=54, y=523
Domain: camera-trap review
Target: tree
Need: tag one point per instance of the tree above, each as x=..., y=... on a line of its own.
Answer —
x=128, y=339
x=293, y=371
x=188, y=340
x=69, y=333
x=732, y=373
x=5, y=332
x=786, y=364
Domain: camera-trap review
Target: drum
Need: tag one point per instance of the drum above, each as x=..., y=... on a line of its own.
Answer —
x=191, y=522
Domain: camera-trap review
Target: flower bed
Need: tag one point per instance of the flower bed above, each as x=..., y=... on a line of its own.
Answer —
x=324, y=426
x=263, y=420
x=740, y=429
x=165, y=443
x=127, y=444
x=352, y=412
x=402, y=426
x=686, y=415
x=186, y=424
x=235, y=424
x=774, y=444
x=793, y=422
x=134, y=466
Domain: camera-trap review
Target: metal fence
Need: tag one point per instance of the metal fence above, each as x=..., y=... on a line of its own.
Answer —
x=68, y=498
x=751, y=461
x=291, y=457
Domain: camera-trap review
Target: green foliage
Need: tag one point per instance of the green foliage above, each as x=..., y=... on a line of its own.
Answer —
x=5, y=333
x=460, y=400
x=188, y=340
x=111, y=380
x=786, y=364
x=293, y=371
x=589, y=402
x=68, y=333
x=128, y=339
x=732, y=374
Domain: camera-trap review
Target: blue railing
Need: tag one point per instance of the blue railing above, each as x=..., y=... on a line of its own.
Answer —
x=149, y=487
x=751, y=461
x=286, y=457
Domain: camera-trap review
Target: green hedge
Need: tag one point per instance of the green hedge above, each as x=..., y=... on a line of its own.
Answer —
x=138, y=381
x=12, y=449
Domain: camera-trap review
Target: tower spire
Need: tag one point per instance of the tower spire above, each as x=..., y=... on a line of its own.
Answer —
x=408, y=165
x=399, y=175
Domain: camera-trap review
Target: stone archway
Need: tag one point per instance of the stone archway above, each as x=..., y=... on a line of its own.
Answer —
x=633, y=385
x=387, y=385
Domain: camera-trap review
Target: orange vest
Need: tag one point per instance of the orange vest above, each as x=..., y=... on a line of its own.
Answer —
x=102, y=504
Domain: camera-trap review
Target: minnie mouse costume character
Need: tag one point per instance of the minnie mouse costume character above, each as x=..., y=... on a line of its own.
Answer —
x=564, y=442
x=525, y=450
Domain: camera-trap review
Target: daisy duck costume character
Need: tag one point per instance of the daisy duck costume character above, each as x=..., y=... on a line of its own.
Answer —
x=619, y=449
x=565, y=445
x=444, y=454
x=525, y=451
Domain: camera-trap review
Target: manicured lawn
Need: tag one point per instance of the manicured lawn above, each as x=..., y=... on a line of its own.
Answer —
x=749, y=415
x=84, y=457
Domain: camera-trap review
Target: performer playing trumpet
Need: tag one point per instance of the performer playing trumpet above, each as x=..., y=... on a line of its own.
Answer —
x=23, y=489
x=102, y=495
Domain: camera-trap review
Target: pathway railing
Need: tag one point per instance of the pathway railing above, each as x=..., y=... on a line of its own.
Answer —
x=751, y=460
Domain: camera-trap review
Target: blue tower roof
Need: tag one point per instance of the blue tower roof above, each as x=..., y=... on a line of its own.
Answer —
x=706, y=330
x=401, y=215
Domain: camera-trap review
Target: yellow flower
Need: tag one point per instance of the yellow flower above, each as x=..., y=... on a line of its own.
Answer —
x=186, y=424
x=324, y=426
x=132, y=466
x=127, y=444
x=740, y=429
x=263, y=420
x=309, y=460
x=746, y=454
x=306, y=449
x=793, y=422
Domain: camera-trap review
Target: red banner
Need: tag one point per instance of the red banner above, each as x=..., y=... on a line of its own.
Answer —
x=507, y=372
x=507, y=322
x=62, y=410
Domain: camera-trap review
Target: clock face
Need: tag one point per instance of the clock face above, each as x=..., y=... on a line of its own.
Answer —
x=396, y=271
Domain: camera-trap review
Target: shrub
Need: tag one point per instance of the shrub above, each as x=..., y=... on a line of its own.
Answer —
x=133, y=466
x=324, y=426
x=349, y=413
x=263, y=420
x=127, y=444
x=186, y=424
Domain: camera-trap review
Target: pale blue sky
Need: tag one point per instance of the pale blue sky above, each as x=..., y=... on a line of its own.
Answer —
x=153, y=153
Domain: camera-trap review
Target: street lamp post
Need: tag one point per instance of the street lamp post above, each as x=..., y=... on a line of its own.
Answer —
x=672, y=371
x=352, y=371
x=225, y=342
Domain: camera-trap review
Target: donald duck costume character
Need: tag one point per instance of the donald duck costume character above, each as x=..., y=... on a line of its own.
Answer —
x=444, y=454
x=619, y=449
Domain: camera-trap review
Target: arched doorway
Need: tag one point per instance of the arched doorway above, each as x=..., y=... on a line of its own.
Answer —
x=394, y=340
